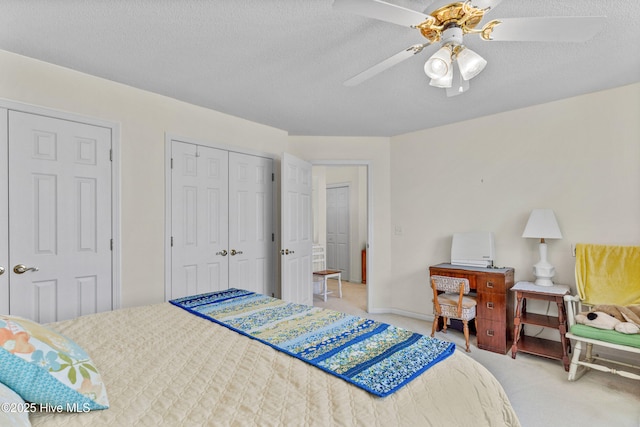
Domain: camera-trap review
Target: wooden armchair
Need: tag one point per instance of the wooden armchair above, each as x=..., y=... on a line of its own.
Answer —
x=604, y=275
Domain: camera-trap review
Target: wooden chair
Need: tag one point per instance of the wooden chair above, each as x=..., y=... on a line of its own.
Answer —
x=321, y=275
x=450, y=301
x=604, y=275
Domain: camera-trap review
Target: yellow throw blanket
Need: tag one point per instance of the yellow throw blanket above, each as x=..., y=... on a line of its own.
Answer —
x=608, y=274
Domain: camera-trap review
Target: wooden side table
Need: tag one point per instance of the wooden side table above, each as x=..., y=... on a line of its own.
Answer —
x=534, y=345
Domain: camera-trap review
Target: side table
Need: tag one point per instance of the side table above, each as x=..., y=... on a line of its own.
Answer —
x=534, y=345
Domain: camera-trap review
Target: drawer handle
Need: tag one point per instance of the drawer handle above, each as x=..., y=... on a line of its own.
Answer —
x=490, y=305
x=489, y=284
x=490, y=332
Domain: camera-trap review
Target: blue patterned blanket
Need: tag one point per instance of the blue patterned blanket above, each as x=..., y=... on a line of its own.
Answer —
x=377, y=357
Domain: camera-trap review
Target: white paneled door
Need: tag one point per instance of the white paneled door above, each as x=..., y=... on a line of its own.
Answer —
x=296, y=229
x=200, y=238
x=221, y=221
x=338, y=242
x=251, y=239
x=60, y=221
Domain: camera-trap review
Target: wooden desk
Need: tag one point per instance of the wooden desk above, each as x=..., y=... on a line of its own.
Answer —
x=534, y=345
x=494, y=316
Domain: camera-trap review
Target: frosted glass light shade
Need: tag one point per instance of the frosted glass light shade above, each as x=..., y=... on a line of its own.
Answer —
x=445, y=81
x=439, y=65
x=470, y=63
x=458, y=85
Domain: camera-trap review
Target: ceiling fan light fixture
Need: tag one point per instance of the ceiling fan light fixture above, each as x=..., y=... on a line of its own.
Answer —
x=444, y=81
x=470, y=63
x=439, y=64
x=459, y=85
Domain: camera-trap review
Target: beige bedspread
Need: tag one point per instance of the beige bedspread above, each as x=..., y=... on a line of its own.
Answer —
x=164, y=366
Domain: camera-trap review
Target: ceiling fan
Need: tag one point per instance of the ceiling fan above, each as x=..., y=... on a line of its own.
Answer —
x=446, y=23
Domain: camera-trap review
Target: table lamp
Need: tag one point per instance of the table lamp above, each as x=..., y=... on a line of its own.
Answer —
x=542, y=225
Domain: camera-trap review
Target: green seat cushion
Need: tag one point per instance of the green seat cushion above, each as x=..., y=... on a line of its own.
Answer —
x=615, y=337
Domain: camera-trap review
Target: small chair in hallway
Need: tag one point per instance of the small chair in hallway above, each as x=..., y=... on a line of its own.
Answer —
x=321, y=275
x=450, y=301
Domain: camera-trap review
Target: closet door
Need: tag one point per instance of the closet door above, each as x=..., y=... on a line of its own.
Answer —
x=199, y=219
x=251, y=236
x=338, y=238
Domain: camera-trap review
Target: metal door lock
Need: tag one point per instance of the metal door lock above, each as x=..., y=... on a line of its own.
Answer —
x=223, y=252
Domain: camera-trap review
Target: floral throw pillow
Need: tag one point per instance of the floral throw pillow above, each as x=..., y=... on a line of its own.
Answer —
x=47, y=368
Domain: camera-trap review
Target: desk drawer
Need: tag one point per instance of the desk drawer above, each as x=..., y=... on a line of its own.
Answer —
x=490, y=283
x=492, y=336
x=491, y=306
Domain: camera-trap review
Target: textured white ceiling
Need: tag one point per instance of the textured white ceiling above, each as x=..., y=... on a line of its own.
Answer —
x=282, y=62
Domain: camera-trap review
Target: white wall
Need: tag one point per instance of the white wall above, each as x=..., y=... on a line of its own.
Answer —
x=579, y=157
x=144, y=118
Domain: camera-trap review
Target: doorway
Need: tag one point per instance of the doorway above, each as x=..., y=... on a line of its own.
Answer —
x=352, y=179
x=60, y=184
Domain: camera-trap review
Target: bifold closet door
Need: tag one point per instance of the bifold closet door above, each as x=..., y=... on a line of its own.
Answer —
x=60, y=257
x=251, y=238
x=199, y=219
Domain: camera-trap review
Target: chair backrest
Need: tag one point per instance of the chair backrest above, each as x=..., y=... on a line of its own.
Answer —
x=318, y=258
x=607, y=274
x=450, y=284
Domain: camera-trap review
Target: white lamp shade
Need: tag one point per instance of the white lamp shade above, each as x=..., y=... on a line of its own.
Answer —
x=439, y=64
x=542, y=224
x=470, y=63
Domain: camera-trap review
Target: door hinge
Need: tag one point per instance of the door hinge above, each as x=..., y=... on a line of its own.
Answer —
x=172, y=163
x=273, y=237
x=171, y=241
x=111, y=155
x=111, y=245
x=273, y=177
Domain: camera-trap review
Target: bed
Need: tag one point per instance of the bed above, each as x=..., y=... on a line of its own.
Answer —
x=162, y=365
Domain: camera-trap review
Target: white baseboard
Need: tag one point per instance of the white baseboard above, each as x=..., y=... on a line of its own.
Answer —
x=411, y=314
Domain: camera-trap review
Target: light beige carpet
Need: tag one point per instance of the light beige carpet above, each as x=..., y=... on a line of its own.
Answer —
x=537, y=387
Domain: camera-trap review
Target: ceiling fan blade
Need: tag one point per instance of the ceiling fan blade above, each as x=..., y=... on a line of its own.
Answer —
x=383, y=11
x=548, y=29
x=485, y=4
x=479, y=4
x=384, y=65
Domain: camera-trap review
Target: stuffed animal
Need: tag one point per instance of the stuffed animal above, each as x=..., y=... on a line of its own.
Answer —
x=603, y=320
x=627, y=313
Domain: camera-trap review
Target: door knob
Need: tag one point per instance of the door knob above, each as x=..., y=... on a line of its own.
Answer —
x=234, y=252
x=21, y=268
x=223, y=252
x=1, y=270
